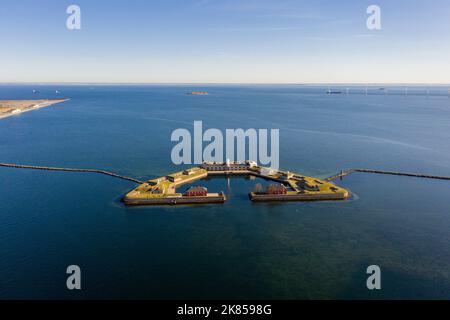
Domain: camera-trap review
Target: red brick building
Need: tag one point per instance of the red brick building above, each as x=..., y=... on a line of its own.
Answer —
x=196, y=192
x=276, y=189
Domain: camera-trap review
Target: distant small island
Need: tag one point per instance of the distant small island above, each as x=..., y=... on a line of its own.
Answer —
x=198, y=93
x=15, y=107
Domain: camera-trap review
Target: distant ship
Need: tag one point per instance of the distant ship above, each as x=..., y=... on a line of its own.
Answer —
x=198, y=93
x=333, y=92
x=35, y=91
x=57, y=92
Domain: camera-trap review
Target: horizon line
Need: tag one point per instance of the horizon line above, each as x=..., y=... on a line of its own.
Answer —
x=225, y=83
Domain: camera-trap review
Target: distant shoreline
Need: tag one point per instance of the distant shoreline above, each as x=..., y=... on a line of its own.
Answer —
x=412, y=84
x=9, y=108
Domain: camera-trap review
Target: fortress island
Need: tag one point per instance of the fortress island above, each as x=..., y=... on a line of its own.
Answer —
x=287, y=186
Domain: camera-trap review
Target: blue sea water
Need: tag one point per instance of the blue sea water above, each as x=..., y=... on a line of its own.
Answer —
x=49, y=220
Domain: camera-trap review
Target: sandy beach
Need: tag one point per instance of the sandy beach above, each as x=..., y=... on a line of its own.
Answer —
x=10, y=108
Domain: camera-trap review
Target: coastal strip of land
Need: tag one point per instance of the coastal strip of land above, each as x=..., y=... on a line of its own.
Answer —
x=10, y=108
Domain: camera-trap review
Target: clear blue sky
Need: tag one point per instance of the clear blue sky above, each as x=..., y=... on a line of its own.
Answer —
x=202, y=41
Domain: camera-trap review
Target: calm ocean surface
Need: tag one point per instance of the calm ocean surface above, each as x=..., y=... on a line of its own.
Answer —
x=49, y=220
